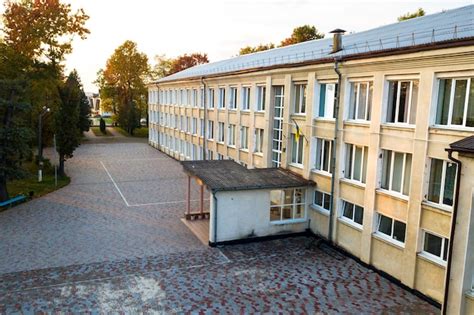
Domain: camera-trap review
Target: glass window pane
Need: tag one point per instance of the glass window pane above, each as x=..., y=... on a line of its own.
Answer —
x=327, y=202
x=322, y=100
x=387, y=161
x=449, y=183
x=399, y=231
x=358, y=214
x=362, y=101
x=445, y=251
x=414, y=102
x=288, y=197
x=364, y=166
x=403, y=104
x=369, y=103
x=325, y=152
x=357, y=163
x=407, y=177
x=434, y=186
x=299, y=211
x=397, y=172
x=348, y=210
x=275, y=197
x=459, y=102
x=470, y=106
x=433, y=244
x=275, y=214
x=319, y=151
x=318, y=198
x=392, y=101
x=287, y=212
x=299, y=196
x=348, y=168
x=352, y=101
x=385, y=225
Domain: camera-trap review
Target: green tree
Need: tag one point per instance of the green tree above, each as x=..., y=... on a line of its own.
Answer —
x=302, y=34
x=249, y=49
x=68, y=135
x=407, y=16
x=84, y=111
x=14, y=132
x=122, y=83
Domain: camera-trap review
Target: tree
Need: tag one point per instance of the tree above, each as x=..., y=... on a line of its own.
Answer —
x=14, y=132
x=42, y=28
x=407, y=16
x=122, y=83
x=187, y=61
x=249, y=49
x=84, y=111
x=68, y=135
x=162, y=67
x=302, y=34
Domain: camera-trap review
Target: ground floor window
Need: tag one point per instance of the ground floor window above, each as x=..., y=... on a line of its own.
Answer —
x=287, y=204
x=435, y=246
x=352, y=212
x=391, y=228
x=322, y=201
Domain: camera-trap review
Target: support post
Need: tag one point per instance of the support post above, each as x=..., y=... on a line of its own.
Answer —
x=188, y=196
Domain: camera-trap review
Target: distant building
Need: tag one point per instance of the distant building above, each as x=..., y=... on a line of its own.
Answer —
x=94, y=102
x=379, y=120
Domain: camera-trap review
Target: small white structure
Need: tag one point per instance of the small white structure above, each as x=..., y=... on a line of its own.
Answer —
x=249, y=203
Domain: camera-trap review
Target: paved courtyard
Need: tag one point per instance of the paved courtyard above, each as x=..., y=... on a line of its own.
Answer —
x=113, y=241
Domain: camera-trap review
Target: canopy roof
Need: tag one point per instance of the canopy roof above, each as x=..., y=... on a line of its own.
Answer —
x=464, y=145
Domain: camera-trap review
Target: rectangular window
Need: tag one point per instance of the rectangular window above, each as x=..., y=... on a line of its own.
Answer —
x=246, y=98
x=188, y=124
x=300, y=99
x=288, y=204
x=231, y=138
x=261, y=91
x=210, y=98
x=221, y=132
x=360, y=103
x=297, y=149
x=442, y=182
x=210, y=154
x=201, y=99
x=352, y=212
x=233, y=98
x=435, y=246
x=259, y=140
x=221, y=98
x=244, y=138
x=323, y=160
x=326, y=100
x=195, y=98
x=220, y=156
x=396, y=171
x=391, y=228
x=210, y=129
x=356, y=162
x=402, y=102
x=194, y=126
x=455, y=103
x=322, y=201
x=201, y=124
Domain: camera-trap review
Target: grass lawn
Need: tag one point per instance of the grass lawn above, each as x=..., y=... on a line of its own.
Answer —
x=137, y=133
x=30, y=183
x=98, y=133
x=109, y=121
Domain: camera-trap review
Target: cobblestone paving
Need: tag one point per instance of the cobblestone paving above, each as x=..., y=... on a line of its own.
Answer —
x=82, y=249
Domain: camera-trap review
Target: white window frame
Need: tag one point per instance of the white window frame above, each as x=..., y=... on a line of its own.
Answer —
x=319, y=144
x=328, y=106
x=261, y=98
x=437, y=259
x=222, y=100
x=194, y=126
x=397, y=102
x=389, y=238
x=231, y=135
x=244, y=138
x=300, y=103
x=211, y=95
x=221, y=132
x=293, y=205
x=233, y=98
x=245, y=98
x=443, y=182
x=210, y=130
x=319, y=207
x=392, y=161
x=354, y=103
x=259, y=138
x=363, y=175
x=451, y=103
x=351, y=220
x=295, y=145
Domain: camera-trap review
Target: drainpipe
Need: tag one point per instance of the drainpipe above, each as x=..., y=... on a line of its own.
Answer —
x=215, y=216
x=204, y=139
x=453, y=229
x=333, y=149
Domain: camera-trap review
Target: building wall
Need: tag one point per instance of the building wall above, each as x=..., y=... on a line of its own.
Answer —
x=423, y=140
x=245, y=214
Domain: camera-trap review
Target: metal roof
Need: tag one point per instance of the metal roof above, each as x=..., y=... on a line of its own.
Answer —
x=465, y=145
x=455, y=24
x=227, y=175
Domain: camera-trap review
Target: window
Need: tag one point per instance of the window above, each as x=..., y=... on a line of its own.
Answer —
x=188, y=124
x=210, y=130
x=402, y=102
x=211, y=98
x=261, y=91
x=352, y=212
x=455, y=103
x=326, y=100
x=221, y=132
x=244, y=138
x=396, y=171
x=322, y=201
x=188, y=97
x=323, y=160
x=435, y=246
x=195, y=98
x=194, y=126
x=288, y=204
x=360, y=103
x=221, y=98
x=391, y=228
x=233, y=98
x=210, y=154
x=300, y=99
x=442, y=181
x=183, y=97
x=246, y=98
x=201, y=99
x=297, y=149
x=182, y=124
x=201, y=124
x=259, y=140
x=356, y=162
x=231, y=138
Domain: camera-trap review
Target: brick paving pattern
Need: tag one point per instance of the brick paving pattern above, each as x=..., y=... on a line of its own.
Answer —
x=82, y=249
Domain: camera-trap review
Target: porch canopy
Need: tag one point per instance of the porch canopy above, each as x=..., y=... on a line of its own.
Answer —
x=227, y=175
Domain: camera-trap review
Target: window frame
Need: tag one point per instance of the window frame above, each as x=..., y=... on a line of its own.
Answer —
x=294, y=205
x=244, y=138
x=231, y=135
x=363, y=165
x=354, y=107
x=233, y=98
x=245, y=98
x=210, y=130
x=320, y=143
x=444, y=242
x=221, y=132
x=261, y=98
x=259, y=138
x=210, y=98
x=300, y=98
x=295, y=147
x=397, y=102
x=390, y=238
x=440, y=203
x=322, y=94
x=318, y=207
x=449, y=124
x=351, y=220
x=391, y=168
x=221, y=104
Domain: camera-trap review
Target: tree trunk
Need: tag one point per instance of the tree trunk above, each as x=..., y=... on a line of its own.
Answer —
x=3, y=188
x=61, y=165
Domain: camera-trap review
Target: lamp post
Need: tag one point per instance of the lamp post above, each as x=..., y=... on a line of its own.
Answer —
x=43, y=112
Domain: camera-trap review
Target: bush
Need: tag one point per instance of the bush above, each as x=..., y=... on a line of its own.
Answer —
x=102, y=126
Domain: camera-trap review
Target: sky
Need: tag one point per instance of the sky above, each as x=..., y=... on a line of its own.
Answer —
x=219, y=27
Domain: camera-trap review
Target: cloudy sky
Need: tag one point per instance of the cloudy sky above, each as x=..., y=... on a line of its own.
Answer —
x=220, y=27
